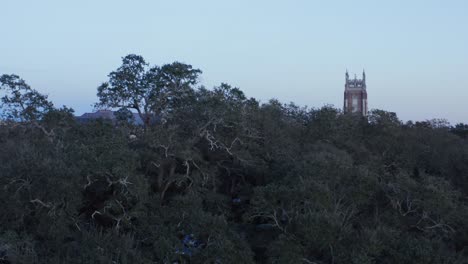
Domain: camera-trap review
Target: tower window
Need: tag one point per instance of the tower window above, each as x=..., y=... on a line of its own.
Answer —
x=354, y=105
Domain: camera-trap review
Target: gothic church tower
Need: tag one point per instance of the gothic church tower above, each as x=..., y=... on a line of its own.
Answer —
x=355, y=95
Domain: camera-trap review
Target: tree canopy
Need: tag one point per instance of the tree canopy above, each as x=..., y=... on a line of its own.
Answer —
x=223, y=178
x=149, y=91
x=19, y=101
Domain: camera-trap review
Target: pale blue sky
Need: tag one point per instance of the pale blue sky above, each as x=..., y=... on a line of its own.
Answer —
x=415, y=52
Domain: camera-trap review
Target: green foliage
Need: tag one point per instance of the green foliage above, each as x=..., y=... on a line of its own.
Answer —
x=224, y=179
x=20, y=102
x=152, y=92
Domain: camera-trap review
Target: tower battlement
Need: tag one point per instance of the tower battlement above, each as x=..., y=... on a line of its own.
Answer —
x=355, y=95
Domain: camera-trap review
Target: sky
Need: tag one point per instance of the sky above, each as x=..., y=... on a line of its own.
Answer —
x=414, y=52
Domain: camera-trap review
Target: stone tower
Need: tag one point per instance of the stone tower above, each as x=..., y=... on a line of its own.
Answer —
x=355, y=95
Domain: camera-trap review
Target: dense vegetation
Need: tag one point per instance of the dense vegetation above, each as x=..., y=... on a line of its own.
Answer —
x=215, y=177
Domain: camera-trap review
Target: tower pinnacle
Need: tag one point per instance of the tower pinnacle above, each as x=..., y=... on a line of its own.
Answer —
x=355, y=95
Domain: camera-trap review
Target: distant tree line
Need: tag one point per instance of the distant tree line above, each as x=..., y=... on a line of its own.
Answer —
x=216, y=177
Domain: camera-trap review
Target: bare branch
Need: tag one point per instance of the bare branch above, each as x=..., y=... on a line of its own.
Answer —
x=166, y=150
x=46, y=205
x=95, y=212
